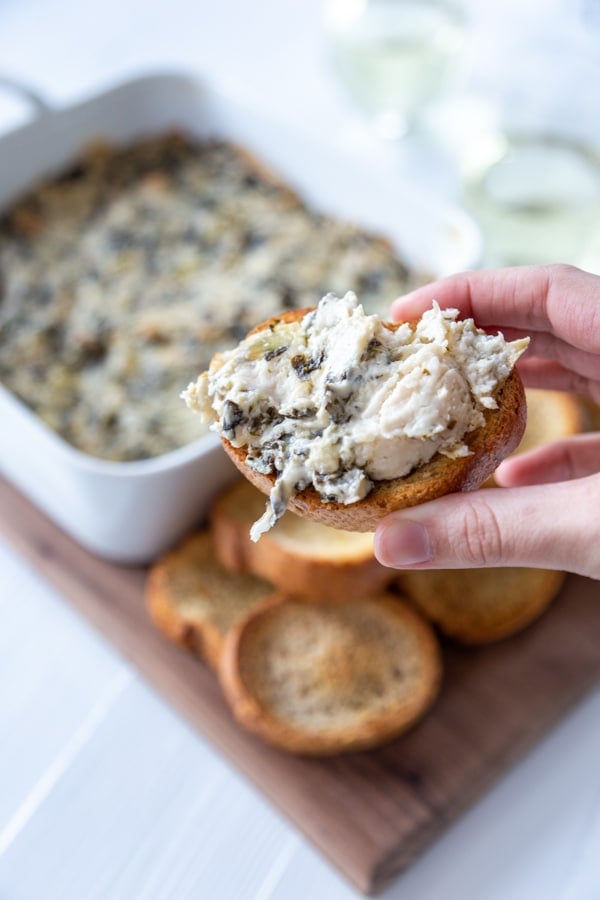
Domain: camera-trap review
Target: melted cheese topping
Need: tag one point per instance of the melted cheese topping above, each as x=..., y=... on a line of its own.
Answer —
x=338, y=400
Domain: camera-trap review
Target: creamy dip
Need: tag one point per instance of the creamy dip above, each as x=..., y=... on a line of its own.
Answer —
x=338, y=400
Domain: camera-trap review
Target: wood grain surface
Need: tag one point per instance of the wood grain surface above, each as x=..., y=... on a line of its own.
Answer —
x=368, y=813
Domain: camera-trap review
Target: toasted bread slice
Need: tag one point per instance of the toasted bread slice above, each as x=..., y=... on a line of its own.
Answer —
x=478, y=606
x=550, y=415
x=591, y=412
x=488, y=446
x=323, y=678
x=194, y=601
x=302, y=558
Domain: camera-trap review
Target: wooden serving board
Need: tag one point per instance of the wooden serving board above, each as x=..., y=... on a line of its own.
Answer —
x=370, y=813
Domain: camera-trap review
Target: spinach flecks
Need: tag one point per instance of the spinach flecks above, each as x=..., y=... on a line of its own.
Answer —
x=232, y=417
x=273, y=354
x=304, y=365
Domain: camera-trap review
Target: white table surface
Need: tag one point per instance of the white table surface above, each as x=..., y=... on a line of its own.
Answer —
x=104, y=791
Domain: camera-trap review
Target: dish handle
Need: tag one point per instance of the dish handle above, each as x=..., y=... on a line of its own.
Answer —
x=30, y=96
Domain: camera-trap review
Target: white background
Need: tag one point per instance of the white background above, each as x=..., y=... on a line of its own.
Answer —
x=104, y=791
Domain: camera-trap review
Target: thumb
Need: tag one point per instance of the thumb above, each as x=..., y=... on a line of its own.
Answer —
x=554, y=526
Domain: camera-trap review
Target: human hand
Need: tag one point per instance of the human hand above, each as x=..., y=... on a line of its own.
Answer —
x=548, y=514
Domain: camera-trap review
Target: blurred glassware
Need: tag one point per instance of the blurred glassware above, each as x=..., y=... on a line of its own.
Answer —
x=538, y=202
x=395, y=57
x=526, y=135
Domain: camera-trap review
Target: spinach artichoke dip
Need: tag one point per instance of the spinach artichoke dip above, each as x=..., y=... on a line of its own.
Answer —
x=123, y=275
x=338, y=400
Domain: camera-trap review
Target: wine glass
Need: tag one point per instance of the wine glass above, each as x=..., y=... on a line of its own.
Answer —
x=538, y=201
x=394, y=57
x=528, y=142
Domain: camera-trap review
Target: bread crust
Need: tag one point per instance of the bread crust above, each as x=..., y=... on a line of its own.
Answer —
x=551, y=415
x=481, y=606
x=204, y=641
x=242, y=652
x=591, y=414
x=489, y=445
x=190, y=571
x=285, y=555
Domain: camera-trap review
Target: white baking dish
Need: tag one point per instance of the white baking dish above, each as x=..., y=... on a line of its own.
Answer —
x=131, y=511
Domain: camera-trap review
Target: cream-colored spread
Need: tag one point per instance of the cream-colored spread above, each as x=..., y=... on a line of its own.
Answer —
x=338, y=400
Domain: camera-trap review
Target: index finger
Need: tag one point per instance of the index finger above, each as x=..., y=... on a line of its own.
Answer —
x=561, y=300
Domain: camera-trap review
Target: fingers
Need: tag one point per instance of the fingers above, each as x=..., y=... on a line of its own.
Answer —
x=550, y=526
x=561, y=300
x=544, y=373
x=581, y=362
x=512, y=296
x=562, y=460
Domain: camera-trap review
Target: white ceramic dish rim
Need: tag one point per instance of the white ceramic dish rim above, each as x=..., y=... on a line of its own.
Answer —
x=127, y=468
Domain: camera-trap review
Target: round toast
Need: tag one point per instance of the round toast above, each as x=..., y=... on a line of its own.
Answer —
x=194, y=601
x=551, y=415
x=479, y=606
x=489, y=445
x=301, y=557
x=324, y=678
x=591, y=413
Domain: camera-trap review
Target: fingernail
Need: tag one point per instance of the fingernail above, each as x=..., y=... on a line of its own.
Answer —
x=403, y=543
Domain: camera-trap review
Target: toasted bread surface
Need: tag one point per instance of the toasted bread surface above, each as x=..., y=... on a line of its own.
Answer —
x=478, y=606
x=550, y=415
x=323, y=678
x=488, y=446
x=194, y=601
x=591, y=413
x=301, y=557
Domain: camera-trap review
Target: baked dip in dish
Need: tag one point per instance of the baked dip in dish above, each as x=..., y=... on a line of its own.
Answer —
x=124, y=274
x=124, y=269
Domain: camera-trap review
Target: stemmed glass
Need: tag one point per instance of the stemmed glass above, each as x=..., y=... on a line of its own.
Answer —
x=394, y=57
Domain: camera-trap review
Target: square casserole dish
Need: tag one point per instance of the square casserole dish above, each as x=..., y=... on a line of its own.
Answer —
x=130, y=511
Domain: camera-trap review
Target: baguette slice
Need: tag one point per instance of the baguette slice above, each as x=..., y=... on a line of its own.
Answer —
x=479, y=606
x=489, y=445
x=302, y=558
x=550, y=415
x=195, y=602
x=591, y=412
x=324, y=678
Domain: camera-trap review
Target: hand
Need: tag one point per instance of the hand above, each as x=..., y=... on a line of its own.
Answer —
x=548, y=514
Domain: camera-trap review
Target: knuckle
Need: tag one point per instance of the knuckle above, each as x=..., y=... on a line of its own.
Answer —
x=482, y=536
x=563, y=271
x=561, y=276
